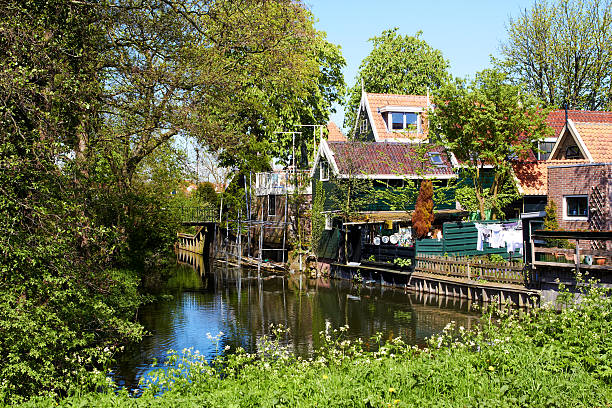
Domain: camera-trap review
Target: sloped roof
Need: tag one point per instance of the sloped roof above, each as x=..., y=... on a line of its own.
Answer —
x=387, y=159
x=595, y=130
x=532, y=176
x=556, y=119
x=377, y=101
x=598, y=139
x=334, y=134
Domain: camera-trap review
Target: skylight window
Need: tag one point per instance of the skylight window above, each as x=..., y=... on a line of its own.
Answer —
x=436, y=159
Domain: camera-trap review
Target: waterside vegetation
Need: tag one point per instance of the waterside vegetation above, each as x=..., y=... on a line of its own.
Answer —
x=528, y=358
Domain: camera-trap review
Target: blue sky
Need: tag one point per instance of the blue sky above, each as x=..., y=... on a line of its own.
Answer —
x=467, y=32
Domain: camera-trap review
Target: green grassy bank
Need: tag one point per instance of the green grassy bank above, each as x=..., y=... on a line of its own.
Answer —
x=538, y=358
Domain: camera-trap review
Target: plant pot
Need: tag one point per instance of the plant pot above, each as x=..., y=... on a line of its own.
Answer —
x=599, y=260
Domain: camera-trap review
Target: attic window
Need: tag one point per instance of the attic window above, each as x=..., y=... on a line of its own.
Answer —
x=324, y=171
x=436, y=159
x=403, y=121
x=572, y=152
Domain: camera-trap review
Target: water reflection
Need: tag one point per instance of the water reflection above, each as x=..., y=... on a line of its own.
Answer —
x=243, y=305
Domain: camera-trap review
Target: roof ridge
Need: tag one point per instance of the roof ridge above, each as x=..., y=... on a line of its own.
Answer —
x=395, y=95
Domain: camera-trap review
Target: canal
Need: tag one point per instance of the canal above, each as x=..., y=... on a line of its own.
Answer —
x=242, y=306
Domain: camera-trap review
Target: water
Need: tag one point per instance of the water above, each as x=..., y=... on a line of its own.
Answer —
x=242, y=306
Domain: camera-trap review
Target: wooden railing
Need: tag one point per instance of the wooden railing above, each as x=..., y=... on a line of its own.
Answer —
x=571, y=258
x=471, y=269
x=198, y=215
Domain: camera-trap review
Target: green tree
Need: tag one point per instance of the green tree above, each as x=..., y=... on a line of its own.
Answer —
x=398, y=64
x=63, y=311
x=562, y=51
x=488, y=122
x=551, y=224
x=206, y=193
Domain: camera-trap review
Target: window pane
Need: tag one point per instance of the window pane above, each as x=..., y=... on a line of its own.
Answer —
x=577, y=206
x=271, y=205
x=572, y=152
x=411, y=118
x=397, y=120
x=435, y=158
x=546, y=148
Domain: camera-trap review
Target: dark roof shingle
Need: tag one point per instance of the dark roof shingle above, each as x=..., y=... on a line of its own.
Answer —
x=387, y=158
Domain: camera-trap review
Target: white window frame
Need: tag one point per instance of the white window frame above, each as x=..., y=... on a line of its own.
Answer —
x=390, y=121
x=271, y=197
x=546, y=140
x=363, y=125
x=324, y=170
x=566, y=216
x=328, y=222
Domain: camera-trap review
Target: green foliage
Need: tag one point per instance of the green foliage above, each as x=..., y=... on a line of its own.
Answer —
x=508, y=193
x=423, y=215
x=397, y=64
x=535, y=358
x=562, y=51
x=488, y=122
x=317, y=217
x=206, y=193
x=496, y=258
x=551, y=224
x=403, y=262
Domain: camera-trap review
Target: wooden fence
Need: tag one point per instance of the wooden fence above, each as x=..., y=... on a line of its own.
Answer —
x=472, y=269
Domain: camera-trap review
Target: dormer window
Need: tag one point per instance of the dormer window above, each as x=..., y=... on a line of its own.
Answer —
x=403, y=121
x=572, y=152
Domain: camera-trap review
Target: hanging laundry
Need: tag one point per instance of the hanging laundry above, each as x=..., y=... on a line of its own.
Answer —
x=484, y=234
x=496, y=240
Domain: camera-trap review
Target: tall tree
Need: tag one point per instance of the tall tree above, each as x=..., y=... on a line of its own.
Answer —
x=563, y=52
x=61, y=311
x=398, y=64
x=203, y=68
x=488, y=122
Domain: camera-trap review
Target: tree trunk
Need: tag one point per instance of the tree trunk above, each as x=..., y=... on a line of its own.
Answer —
x=479, y=194
x=495, y=190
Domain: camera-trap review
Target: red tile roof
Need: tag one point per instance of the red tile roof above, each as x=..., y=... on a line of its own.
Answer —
x=595, y=129
x=386, y=158
x=532, y=176
x=598, y=139
x=334, y=134
x=378, y=100
x=556, y=119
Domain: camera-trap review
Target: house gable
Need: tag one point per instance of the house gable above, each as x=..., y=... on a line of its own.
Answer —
x=569, y=145
x=363, y=129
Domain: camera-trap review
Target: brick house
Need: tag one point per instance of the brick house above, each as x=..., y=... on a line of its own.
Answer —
x=585, y=132
x=576, y=174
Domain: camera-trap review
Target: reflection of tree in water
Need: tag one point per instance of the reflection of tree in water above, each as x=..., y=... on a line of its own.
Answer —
x=243, y=305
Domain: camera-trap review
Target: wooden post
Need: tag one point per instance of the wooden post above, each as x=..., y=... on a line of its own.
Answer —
x=577, y=256
x=532, y=254
x=260, y=248
x=239, y=239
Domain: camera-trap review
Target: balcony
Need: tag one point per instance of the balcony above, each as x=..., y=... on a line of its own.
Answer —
x=283, y=182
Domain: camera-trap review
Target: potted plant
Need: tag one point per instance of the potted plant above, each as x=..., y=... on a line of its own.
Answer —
x=599, y=260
